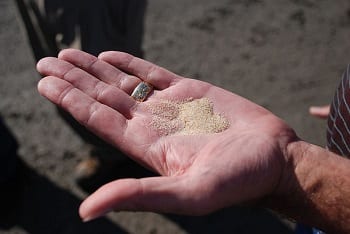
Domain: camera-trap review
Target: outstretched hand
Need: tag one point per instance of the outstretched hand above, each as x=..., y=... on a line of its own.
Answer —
x=198, y=173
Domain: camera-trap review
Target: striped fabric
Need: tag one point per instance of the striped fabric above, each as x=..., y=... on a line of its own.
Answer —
x=338, y=129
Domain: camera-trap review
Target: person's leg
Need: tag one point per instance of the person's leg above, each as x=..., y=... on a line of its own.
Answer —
x=8, y=155
x=8, y=171
x=112, y=25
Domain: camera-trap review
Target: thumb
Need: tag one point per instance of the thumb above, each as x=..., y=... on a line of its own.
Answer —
x=157, y=194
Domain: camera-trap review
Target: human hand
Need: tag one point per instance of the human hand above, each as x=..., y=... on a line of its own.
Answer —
x=198, y=173
x=321, y=112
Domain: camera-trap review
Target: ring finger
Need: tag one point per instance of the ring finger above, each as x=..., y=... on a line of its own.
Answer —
x=100, y=69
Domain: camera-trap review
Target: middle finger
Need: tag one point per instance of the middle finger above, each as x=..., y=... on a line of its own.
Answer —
x=100, y=69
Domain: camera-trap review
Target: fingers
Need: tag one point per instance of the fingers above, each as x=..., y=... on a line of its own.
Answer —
x=155, y=75
x=100, y=119
x=320, y=111
x=118, y=69
x=100, y=69
x=90, y=85
x=156, y=194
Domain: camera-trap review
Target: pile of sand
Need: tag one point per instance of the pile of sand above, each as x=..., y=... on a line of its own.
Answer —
x=190, y=117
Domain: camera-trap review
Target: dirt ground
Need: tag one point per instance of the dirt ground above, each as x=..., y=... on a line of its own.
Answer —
x=285, y=55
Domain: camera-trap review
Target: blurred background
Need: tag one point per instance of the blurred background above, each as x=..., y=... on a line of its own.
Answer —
x=284, y=55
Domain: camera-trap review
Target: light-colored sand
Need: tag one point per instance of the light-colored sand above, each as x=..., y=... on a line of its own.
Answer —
x=190, y=117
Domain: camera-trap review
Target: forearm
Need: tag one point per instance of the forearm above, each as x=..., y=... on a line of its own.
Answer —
x=315, y=188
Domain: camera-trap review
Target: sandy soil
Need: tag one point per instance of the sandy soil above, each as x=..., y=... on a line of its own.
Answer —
x=285, y=55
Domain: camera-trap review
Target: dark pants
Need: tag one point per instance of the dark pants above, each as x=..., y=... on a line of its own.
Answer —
x=8, y=154
x=103, y=25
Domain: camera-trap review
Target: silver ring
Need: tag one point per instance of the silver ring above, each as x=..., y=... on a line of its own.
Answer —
x=141, y=91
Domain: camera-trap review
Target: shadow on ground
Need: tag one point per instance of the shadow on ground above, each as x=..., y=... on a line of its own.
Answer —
x=38, y=206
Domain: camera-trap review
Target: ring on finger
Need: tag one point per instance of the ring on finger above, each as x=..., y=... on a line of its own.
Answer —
x=141, y=91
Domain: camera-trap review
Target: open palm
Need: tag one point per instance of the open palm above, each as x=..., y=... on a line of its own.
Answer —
x=198, y=173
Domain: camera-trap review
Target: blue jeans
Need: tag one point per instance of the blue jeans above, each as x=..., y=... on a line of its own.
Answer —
x=302, y=229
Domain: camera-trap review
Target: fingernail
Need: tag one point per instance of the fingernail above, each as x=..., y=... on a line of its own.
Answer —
x=87, y=219
x=92, y=217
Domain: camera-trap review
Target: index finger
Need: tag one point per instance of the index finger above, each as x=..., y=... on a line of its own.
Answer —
x=149, y=72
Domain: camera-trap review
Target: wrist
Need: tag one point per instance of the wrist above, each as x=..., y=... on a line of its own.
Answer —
x=289, y=196
x=314, y=188
x=294, y=154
